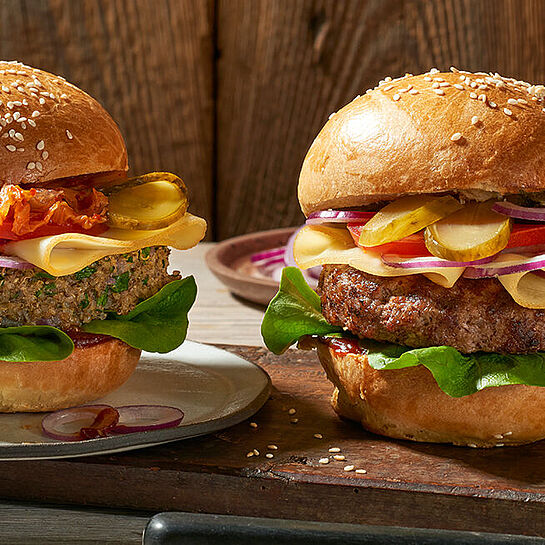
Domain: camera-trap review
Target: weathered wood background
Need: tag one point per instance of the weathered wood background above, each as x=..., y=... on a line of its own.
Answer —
x=230, y=93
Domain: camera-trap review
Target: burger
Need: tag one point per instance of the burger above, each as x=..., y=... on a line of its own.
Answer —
x=84, y=285
x=425, y=206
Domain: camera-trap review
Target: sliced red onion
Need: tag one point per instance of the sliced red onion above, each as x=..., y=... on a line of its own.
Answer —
x=11, y=262
x=427, y=262
x=339, y=216
x=500, y=268
x=520, y=212
x=134, y=418
x=267, y=255
x=66, y=425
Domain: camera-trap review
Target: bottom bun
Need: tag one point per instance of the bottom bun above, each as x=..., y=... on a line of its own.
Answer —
x=89, y=373
x=408, y=404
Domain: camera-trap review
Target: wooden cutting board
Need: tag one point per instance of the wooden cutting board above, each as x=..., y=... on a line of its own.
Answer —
x=406, y=484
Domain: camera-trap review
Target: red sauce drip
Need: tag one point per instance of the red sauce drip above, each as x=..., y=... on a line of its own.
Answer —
x=342, y=346
x=82, y=339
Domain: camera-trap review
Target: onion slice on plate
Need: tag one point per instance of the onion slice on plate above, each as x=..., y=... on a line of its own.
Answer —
x=11, y=262
x=427, y=262
x=266, y=255
x=338, y=216
x=92, y=421
x=520, y=212
x=133, y=418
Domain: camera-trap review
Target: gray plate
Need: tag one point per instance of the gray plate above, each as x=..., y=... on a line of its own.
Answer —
x=214, y=388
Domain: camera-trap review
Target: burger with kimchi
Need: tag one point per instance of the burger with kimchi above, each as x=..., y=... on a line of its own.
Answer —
x=425, y=206
x=84, y=285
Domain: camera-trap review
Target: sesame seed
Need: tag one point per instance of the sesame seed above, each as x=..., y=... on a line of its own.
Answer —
x=20, y=149
x=16, y=115
x=269, y=455
x=498, y=436
x=334, y=449
x=439, y=92
x=427, y=78
x=252, y=424
x=507, y=111
x=388, y=78
x=292, y=411
x=249, y=455
x=500, y=84
x=472, y=445
x=32, y=123
x=435, y=85
x=403, y=90
x=472, y=95
x=396, y=97
x=339, y=457
x=45, y=155
x=294, y=420
x=5, y=89
x=12, y=133
x=361, y=471
x=318, y=436
x=349, y=468
x=39, y=166
x=21, y=120
x=19, y=136
x=492, y=104
x=508, y=433
x=69, y=134
x=438, y=79
x=35, y=113
x=475, y=120
x=456, y=136
x=512, y=101
x=434, y=71
x=256, y=452
x=454, y=69
x=272, y=447
x=444, y=84
x=42, y=100
x=31, y=166
x=458, y=86
x=40, y=146
x=462, y=78
x=522, y=101
x=10, y=105
x=500, y=444
x=388, y=87
x=11, y=147
x=473, y=85
x=323, y=461
x=17, y=103
x=482, y=98
x=413, y=92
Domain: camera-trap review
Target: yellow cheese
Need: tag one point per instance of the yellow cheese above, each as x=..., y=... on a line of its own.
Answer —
x=68, y=253
x=324, y=245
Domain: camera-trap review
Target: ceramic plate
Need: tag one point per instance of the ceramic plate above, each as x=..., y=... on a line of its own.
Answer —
x=214, y=388
x=230, y=262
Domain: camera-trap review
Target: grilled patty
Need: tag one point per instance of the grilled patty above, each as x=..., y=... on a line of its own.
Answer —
x=473, y=315
x=115, y=283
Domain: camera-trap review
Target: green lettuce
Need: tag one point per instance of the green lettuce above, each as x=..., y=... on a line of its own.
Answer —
x=34, y=343
x=158, y=324
x=295, y=311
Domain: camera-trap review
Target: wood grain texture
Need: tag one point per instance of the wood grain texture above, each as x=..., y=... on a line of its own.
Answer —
x=406, y=484
x=285, y=65
x=149, y=62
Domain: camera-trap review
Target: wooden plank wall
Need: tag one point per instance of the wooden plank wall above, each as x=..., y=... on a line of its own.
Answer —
x=230, y=93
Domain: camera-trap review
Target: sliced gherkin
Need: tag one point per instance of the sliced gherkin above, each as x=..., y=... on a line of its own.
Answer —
x=406, y=216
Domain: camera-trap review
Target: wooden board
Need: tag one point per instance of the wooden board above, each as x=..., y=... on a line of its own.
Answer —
x=406, y=484
x=150, y=63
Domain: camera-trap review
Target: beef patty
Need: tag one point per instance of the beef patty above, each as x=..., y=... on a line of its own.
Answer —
x=472, y=316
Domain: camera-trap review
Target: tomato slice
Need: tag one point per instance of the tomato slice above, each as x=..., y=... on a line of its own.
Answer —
x=413, y=245
x=526, y=235
x=6, y=233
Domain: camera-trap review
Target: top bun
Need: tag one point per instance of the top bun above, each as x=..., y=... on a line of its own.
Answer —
x=479, y=135
x=50, y=129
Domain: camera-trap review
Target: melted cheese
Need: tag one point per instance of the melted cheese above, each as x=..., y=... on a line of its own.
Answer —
x=68, y=253
x=322, y=245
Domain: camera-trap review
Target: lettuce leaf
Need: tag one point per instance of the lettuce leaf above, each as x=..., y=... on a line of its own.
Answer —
x=158, y=324
x=460, y=374
x=293, y=312
x=34, y=343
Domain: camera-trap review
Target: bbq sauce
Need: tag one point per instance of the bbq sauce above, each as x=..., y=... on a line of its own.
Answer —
x=343, y=345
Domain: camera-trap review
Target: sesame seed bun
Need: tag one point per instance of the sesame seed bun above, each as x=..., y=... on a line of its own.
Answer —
x=90, y=372
x=408, y=404
x=432, y=133
x=50, y=129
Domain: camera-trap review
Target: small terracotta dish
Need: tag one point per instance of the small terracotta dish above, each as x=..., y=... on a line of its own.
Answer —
x=230, y=261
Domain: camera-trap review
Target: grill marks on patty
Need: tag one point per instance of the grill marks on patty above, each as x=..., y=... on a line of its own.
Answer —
x=472, y=316
x=115, y=283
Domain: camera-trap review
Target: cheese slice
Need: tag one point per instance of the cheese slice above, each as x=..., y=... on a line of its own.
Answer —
x=324, y=245
x=68, y=253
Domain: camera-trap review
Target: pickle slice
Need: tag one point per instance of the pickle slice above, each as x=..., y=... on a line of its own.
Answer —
x=151, y=201
x=472, y=233
x=406, y=216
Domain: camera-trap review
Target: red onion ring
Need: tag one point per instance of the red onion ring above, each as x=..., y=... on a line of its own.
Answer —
x=134, y=418
x=339, y=216
x=429, y=261
x=520, y=212
x=267, y=255
x=92, y=421
x=10, y=262
x=500, y=269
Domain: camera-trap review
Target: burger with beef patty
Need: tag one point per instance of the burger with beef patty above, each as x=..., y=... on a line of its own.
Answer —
x=425, y=209
x=84, y=285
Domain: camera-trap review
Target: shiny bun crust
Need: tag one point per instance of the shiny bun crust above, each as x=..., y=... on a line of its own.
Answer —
x=431, y=133
x=86, y=375
x=408, y=404
x=50, y=129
